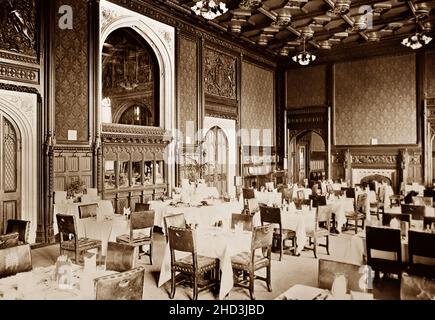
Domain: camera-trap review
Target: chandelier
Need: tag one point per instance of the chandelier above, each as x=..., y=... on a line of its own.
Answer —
x=416, y=41
x=304, y=58
x=209, y=9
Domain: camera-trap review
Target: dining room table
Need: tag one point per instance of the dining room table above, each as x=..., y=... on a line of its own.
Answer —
x=40, y=284
x=213, y=242
x=304, y=292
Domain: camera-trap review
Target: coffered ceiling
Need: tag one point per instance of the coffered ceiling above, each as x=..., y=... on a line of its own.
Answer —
x=280, y=27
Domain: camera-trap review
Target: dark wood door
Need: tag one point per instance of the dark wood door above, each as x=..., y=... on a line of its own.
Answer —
x=10, y=172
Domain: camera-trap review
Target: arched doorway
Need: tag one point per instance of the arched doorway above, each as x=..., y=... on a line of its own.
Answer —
x=215, y=155
x=309, y=158
x=10, y=171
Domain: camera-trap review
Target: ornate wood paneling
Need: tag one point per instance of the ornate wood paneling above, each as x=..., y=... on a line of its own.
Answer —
x=306, y=87
x=187, y=84
x=19, y=73
x=430, y=74
x=258, y=101
x=376, y=98
x=71, y=69
x=19, y=30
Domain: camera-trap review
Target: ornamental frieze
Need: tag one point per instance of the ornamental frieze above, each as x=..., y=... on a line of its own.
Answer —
x=372, y=159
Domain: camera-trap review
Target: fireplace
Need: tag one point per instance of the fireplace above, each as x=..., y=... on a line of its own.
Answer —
x=363, y=175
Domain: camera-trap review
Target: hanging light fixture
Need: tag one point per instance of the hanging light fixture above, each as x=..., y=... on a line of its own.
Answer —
x=304, y=58
x=416, y=41
x=209, y=9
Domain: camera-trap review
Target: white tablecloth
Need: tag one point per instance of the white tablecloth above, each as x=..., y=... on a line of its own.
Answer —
x=214, y=243
x=204, y=216
x=414, y=187
x=269, y=198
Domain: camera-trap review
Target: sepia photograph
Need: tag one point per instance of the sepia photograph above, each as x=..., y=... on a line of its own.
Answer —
x=217, y=151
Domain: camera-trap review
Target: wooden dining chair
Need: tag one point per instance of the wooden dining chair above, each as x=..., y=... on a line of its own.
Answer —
x=317, y=200
x=322, y=228
x=388, y=240
x=193, y=265
x=245, y=219
x=9, y=240
x=413, y=287
x=379, y=204
x=329, y=269
x=253, y=206
x=417, y=212
x=140, y=222
x=247, y=194
x=175, y=220
x=120, y=257
x=420, y=248
x=141, y=207
x=88, y=210
x=287, y=194
x=300, y=194
x=20, y=226
x=67, y=227
x=349, y=192
x=269, y=215
x=250, y=262
x=15, y=260
x=127, y=285
x=359, y=214
x=387, y=217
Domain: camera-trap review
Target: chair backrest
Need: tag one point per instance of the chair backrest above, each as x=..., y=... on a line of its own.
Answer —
x=420, y=244
x=120, y=257
x=329, y=269
x=270, y=215
x=387, y=217
x=248, y=193
x=429, y=193
x=428, y=222
x=416, y=288
x=287, y=194
x=270, y=186
x=384, y=239
x=20, y=226
x=318, y=200
x=15, y=260
x=245, y=219
x=300, y=194
x=176, y=220
x=126, y=285
x=262, y=238
x=182, y=239
x=349, y=192
x=323, y=217
x=140, y=207
x=88, y=210
x=253, y=206
x=142, y=220
x=66, y=224
x=422, y=201
x=381, y=194
x=417, y=212
x=361, y=203
x=9, y=240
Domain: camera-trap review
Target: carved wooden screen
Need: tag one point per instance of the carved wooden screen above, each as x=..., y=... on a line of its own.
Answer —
x=216, y=156
x=10, y=191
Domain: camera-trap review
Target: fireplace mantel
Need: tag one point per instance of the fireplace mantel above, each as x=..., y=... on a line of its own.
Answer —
x=359, y=174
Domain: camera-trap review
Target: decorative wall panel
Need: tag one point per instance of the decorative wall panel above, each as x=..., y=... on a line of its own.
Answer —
x=18, y=28
x=187, y=84
x=258, y=103
x=376, y=98
x=70, y=165
x=430, y=74
x=220, y=74
x=306, y=87
x=71, y=68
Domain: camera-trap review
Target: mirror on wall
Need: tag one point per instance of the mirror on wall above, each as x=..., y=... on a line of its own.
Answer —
x=130, y=80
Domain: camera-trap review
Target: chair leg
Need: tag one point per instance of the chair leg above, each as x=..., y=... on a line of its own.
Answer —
x=315, y=247
x=172, y=285
x=356, y=226
x=195, y=287
x=327, y=245
x=281, y=249
x=251, y=284
x=269, y=282
x=151, y=253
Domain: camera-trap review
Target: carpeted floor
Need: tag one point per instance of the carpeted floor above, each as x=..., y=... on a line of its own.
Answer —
x=290, y=271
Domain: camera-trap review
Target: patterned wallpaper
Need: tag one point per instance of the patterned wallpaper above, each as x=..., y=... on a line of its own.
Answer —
x=258, y=102
x=376, y=98
x=306, y=87
x=430, y=74
x=71, y=67
x=187, y=83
